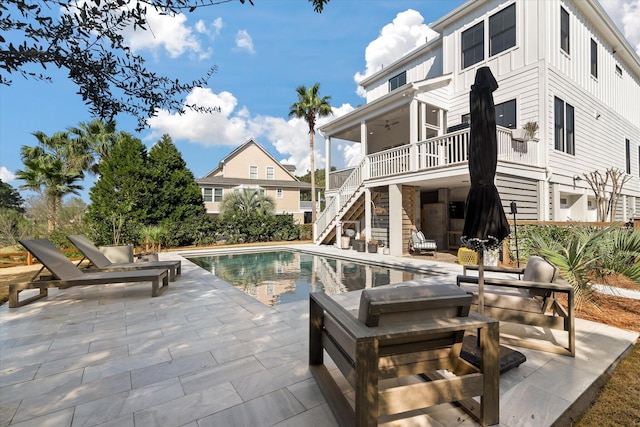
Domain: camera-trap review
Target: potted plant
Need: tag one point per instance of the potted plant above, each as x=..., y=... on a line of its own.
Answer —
x=372, y=246
x=117, y=253
x=152, y=236
x=527, y=133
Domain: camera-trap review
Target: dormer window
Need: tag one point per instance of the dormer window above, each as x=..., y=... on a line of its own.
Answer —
x=397, y=81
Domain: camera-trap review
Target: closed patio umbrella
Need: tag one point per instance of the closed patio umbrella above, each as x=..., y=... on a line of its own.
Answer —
x=485, y=223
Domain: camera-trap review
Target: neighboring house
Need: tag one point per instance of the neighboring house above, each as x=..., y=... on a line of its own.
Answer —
x=560, y=63
x=251, y=167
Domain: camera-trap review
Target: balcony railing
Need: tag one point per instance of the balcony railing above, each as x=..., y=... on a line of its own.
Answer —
x=446, y=150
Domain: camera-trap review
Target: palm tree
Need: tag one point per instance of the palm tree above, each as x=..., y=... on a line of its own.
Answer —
x=52, y=168
x=96, y=138
x=247, y=201
x=310, y=107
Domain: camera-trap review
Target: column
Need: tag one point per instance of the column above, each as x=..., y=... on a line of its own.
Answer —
x=395, y=220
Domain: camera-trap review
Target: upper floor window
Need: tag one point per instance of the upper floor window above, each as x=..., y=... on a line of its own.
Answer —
x=253, y=172
x=506, y=114
x=279, y=193
x=502, y=30
x=473, y=45
x=564, y=127
x=564, y=30
x=627, y=147
x=618, y=70
x=594, y=58
x=271, y=172
x=397, y=81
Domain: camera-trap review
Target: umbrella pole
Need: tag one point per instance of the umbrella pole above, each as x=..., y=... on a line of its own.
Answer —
x=481, y=280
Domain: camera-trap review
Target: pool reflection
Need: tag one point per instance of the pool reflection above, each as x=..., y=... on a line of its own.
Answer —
x=279, y=277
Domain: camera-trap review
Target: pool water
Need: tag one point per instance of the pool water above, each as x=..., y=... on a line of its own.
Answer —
x=283, y=276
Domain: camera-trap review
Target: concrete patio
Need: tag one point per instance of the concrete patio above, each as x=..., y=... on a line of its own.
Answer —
x=206, y=354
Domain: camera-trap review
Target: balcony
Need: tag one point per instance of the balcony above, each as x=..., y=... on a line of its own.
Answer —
x=446, y=150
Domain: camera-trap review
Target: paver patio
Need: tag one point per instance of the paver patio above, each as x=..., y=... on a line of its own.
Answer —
x=206, y=354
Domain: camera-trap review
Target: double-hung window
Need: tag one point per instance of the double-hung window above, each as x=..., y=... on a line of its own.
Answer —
x=253, y=172
x=397, y=81
x=564, y=30
x=271, y=172
x=279, y=193
x=217, y=195
x=594, y=58
x=473, y=45
x=502, y=30
x=564, y=127
x=207, y=194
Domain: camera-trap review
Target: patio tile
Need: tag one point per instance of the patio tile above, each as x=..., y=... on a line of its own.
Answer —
x=57, y=419
x=70, y=395
x=171, y=369
x=189, y=408
x=127, y=403
x=17, y=374
x=265, y=382
x=219, y=374
x=319, y=416
x=527, y=405
x=262, y=411
x=81, y=361
x=38, y=386
x=124, y=364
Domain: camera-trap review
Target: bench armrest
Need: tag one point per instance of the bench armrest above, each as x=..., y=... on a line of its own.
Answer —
x=553, y=287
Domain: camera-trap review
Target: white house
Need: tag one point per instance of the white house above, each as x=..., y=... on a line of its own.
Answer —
x=560, y=63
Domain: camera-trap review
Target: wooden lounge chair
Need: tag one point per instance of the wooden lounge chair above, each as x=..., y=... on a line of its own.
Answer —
x=530, y=301
x=66, y=275
x=410, y=334
x=100, y=261
x=421, y=245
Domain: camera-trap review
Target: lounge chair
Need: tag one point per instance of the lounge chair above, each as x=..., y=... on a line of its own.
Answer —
x=402, y=335
x=530, y=301
x=100, y=261
x=66, y=275
x=420, y=244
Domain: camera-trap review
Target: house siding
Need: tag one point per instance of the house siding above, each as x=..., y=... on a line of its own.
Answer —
x=522, y=191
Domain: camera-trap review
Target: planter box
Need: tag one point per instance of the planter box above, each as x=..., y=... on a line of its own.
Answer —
x=345, y=242
x=372, y=248
x=118, y=254
x=359, y=245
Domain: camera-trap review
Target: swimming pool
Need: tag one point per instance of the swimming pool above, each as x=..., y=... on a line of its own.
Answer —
x=283, y=276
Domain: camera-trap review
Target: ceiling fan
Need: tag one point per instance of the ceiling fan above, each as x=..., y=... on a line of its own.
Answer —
x=387, y=125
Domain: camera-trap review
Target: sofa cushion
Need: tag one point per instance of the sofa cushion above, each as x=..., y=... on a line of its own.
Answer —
x=408, y=301
x=539, y=270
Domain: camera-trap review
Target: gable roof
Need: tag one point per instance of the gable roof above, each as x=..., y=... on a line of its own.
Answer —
x=241, y=148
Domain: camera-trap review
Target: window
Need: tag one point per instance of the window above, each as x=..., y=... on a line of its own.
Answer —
x=217, y=195
x=253, y=172
x=279, y=193
x=594, y=58
x=466, y=118
x=618, y=70
x=207, y=194
x=502, y=30
x=271, y=172
x=564, y=127
x=506, y=114
x=627, y=147
x=564, y=30
x=473, y=45
x=397, y=81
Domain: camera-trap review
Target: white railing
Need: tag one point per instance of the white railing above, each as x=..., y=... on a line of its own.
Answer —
x=346, y=191
x=449, y=149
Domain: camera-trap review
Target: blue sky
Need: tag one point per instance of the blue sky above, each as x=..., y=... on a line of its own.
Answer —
x=263, y=53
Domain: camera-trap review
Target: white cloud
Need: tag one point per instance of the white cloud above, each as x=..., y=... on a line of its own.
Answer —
x=212, y=29
x=406, y=32
x=234, y=125
x=626, y=15
x=6, y=175
x=244, y=41
x=164, y=31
